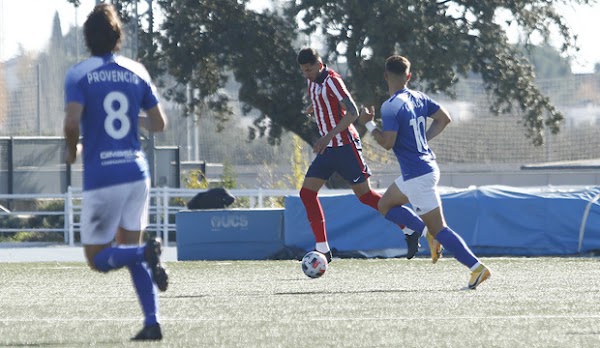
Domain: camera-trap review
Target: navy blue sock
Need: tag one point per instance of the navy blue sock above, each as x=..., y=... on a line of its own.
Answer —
x=116, y=257
x=146, y=291
x=457, y=246
x=401, y=215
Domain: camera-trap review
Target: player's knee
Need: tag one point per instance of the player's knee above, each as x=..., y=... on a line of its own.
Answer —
x=93, y=267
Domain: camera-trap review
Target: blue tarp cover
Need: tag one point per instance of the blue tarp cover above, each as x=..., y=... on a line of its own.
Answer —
x=493, y=220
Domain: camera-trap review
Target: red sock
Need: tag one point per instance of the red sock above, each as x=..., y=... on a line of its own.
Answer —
x=371, y=199
x=314, y=212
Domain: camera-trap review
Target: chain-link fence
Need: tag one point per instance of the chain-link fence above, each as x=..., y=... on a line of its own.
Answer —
x=31, y=104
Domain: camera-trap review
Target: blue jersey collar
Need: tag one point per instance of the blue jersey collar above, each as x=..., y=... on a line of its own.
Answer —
x=400, y=91
x=109, y=57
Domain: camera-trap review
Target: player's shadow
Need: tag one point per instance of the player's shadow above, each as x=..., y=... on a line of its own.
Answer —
x=62, y=344
x=321, y=292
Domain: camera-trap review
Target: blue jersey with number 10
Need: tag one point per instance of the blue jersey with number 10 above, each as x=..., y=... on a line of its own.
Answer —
x=406, y=113
x=112, y=89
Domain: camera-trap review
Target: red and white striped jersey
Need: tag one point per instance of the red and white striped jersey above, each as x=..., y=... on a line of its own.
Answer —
x=326, y=97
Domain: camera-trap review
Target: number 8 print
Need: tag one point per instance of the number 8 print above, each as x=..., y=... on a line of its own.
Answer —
x=116, y=114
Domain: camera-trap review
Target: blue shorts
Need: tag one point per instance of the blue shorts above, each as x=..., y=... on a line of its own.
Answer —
x=347, y=160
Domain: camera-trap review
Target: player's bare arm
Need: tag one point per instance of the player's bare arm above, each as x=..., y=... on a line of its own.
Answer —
x=351, y=110
x=155, y=119
x=384, y=139
x=71, y=130
x=441, y=119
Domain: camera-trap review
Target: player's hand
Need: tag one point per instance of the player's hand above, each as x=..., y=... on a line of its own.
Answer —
x=321, y=144
x=309, y=110
x=366, y=114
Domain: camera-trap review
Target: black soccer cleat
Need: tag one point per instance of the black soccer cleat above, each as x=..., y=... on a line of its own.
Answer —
x=149, y=333
x=152, y=256
x=327, y=254
x=412, y=242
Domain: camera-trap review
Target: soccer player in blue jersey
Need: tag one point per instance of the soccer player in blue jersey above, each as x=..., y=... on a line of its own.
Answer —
x=404, y=118
x=104, y=95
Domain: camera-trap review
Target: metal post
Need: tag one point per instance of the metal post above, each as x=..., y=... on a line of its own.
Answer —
x=165, y=212
x=178, y=166
x=190, y=123
x=68, y=173
x=39, y=102
x=76, y=35
x=10, y=158
x=196, y=138
x=69, y=229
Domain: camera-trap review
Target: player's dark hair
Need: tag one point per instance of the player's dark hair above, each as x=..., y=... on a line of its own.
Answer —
x=308, y=55
x=103, y=30
x=397, y=65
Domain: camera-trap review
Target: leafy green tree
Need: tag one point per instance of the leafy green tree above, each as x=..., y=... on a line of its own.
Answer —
x=445, y=40
x=228, y=178
x=547, y=61
x=201, y=41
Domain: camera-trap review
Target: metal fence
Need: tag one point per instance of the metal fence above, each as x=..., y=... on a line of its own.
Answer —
x=165, y=203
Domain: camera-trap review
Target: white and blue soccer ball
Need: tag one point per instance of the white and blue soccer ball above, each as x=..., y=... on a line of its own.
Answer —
x=314, y=264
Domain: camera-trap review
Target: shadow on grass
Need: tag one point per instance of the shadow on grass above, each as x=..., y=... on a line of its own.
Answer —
x=373, y=291
x=61, y=344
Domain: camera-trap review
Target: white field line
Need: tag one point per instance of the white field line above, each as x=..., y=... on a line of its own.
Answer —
x=412, y=318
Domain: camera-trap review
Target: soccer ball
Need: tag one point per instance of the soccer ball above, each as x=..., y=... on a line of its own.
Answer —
x=314, y=264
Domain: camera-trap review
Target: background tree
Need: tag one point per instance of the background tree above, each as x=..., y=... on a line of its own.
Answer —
x=3, y=97
x=547, y=61
x=203, y=42
x=200, y=41
x=445, y=40
x=52, y=65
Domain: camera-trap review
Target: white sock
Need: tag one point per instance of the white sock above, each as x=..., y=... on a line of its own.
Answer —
x=322, y=247
x=474, y=267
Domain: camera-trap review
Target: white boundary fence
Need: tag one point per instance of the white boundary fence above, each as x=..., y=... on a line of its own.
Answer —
x=165, y=203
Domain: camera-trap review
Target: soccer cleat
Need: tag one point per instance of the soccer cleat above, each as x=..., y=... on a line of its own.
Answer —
x=152, y=256
x=412, y=242
x=435, y=248
x=327, y=254
x=478, y=276
x=149, y=333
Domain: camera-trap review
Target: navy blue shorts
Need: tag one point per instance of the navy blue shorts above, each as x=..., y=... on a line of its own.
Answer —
x=347, y=160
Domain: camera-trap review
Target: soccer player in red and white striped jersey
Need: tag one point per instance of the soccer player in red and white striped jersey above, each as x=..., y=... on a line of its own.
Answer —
x=329, y=95
x=338, y=150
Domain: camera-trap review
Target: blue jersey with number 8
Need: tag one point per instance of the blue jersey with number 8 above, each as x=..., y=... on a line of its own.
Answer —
x=406, y=113
x=112, y=89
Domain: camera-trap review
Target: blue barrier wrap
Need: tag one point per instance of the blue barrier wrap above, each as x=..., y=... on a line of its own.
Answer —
x=493, y=220
x=351, y=226
x=232, y=234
